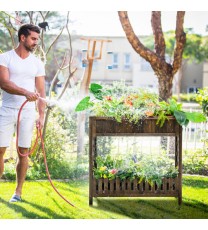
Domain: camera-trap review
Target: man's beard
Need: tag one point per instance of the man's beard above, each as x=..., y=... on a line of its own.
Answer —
x=29, y=48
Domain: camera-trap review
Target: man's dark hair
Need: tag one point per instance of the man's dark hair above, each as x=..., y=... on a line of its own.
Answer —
x=26, y=28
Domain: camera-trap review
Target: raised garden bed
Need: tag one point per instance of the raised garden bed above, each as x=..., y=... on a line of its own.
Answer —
x=103, y=187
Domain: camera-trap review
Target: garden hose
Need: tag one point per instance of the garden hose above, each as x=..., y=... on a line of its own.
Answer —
x=38, y=136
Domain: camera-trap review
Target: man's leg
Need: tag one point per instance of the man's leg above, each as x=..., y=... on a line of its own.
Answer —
x=21, y=170
x=2, y=152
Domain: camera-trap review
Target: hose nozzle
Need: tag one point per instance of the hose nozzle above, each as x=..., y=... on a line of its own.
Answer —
x=49, y=103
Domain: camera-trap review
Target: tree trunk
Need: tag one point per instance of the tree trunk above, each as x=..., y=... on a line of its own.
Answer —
x=165, y=87
x=164, y=70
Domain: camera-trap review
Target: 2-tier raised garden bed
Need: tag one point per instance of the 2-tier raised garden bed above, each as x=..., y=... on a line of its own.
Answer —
x=103, y=187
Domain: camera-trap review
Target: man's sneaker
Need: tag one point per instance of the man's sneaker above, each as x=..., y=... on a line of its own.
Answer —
x=15, y=198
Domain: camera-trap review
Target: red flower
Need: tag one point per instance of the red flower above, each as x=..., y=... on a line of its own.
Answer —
x=113, y=171
x=108, y=98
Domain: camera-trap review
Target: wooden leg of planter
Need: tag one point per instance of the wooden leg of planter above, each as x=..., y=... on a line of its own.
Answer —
x=180, y=167
x=179, y=200
x=90, y=200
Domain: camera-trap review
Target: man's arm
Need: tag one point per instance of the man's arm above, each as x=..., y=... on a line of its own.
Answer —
x=12, y=88
x=40, y=87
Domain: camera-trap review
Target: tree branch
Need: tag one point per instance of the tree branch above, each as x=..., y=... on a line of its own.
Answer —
x=158, y=34
x=57, y=37
x=180, y=41
x=144, y=52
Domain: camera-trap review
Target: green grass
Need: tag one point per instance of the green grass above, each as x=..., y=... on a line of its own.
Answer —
x=40, y=201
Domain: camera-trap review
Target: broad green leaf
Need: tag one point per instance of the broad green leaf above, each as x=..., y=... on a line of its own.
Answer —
x=181, y=117
x=174, y=105
x=84, y=104
x=95, y=88
x=195, y=117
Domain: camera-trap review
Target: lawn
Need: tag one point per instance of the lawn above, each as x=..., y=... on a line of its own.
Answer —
x=41, y=202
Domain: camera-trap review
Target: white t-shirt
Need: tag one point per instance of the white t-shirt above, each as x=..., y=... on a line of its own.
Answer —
x=23, y=73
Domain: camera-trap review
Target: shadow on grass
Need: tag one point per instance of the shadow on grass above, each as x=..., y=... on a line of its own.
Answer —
x=153, y=208
x=17, y=207
x=195, y=182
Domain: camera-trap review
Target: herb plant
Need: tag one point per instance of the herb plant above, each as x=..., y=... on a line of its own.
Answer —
x=148, y=167
x=134, y=106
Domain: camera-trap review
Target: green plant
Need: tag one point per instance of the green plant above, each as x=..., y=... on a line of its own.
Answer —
x=202, y=99
x=61, y=164
x=135, y=106
x=185, y=97
x=148, y=167
x=195, y=162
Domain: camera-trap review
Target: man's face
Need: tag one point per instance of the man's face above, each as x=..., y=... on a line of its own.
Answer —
x=30, y=42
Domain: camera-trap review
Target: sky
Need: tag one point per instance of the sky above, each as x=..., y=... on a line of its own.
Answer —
x=100, y=18
x=106, y=23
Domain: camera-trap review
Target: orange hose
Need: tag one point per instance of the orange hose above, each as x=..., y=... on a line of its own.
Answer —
x=39, y=135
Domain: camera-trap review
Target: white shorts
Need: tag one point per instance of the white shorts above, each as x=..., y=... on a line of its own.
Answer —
x=8, y=124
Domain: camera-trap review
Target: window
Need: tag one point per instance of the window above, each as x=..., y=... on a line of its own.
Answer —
x=115, y=60
x=192, y=90
x=127, y=61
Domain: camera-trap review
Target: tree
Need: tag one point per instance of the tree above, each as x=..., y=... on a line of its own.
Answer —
x=195, y=51
x=164, y=70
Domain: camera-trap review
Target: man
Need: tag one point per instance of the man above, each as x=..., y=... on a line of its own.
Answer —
x=22, y=77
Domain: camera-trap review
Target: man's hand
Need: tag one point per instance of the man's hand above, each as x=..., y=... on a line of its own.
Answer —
x=31, y=96
x=40, y=123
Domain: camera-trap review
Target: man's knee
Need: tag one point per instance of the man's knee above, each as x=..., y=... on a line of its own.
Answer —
x=24, y=152
x=2, y=151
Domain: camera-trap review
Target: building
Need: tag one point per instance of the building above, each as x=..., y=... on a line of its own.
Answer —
x=120, y=62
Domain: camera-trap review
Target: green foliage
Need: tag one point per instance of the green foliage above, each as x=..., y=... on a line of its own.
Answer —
x=185, y=97
x=195, y=162
x=195, y=49
x=60, y=164
x=134, y=106
x=84, y=104
x=151, y=168
x=202, y=99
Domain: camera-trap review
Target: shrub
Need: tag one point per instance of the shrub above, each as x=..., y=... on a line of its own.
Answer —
x=195, y=162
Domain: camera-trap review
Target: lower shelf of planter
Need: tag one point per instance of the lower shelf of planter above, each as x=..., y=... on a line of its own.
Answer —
x=134, y=188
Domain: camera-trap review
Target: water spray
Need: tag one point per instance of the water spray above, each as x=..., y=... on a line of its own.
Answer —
x=49, y=103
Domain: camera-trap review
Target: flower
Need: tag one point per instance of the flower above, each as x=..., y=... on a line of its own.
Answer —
x=149, y=113
x=113, y=171
x=108, y=98
x=128, y=102
x=103, y=168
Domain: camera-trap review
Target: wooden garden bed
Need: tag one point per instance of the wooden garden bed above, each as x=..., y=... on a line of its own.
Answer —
x=102, y=126
x=126, y=187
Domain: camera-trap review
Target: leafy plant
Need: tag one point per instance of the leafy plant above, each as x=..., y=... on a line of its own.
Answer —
x=151, y=168
x=135, y=106
x=195, y=162
x=202, y=99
